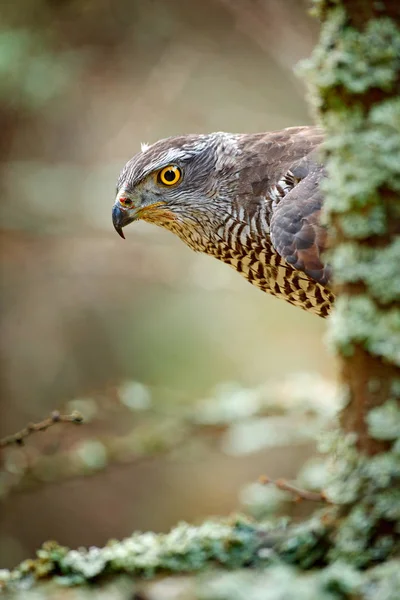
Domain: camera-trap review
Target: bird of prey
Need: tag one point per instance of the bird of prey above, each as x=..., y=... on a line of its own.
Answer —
x=251, y=200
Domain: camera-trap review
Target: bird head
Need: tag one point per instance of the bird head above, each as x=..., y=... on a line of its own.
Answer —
x=179, y=183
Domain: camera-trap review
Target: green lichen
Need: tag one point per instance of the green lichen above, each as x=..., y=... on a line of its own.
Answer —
x=363, y=159
x=344, y=483
x=232, y=544
x=338, y=581
x=351, y=60
x=383, y=469
x=362, y=156
x=362, y=226
x=353, y=538
x=381, y=582
x=356, y=540
x=358, y=321
x=395, y=388
x=384, y=421
x=368, y=490
x=353, y=474
x=186, y=548
x=376, y=268
x=387, y=505
x=308, y=543
x=362, y=148
x=277, y=583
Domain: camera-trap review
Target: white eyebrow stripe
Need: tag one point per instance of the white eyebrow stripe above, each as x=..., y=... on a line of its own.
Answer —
x=165, y=158
x=141, y=166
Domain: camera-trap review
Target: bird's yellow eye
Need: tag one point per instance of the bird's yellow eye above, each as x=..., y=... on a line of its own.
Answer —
x=170, y=175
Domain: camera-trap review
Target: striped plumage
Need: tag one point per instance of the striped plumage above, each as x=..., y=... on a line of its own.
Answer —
x=251, y=200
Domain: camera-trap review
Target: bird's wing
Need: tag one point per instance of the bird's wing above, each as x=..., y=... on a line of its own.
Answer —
x=283, y=168
x=295, y=227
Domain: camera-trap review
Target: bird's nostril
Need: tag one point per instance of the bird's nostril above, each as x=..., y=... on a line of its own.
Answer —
x=126, y=202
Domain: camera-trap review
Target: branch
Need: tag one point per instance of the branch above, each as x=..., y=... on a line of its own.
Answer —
x=55, y=417
x=233, y=543
x=299, y=494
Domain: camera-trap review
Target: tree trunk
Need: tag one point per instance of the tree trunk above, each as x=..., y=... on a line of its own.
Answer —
x=355, y=72
x=372, y=369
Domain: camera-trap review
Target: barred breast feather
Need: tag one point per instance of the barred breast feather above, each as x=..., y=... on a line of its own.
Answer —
x=279, y=246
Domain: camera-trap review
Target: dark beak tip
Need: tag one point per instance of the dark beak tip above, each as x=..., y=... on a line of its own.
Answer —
x=120, y=232
x=119, y=221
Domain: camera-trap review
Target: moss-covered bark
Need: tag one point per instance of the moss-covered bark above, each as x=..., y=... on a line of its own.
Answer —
x=355, y=72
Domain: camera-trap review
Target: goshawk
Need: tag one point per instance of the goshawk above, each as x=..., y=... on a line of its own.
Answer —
x=251, y=200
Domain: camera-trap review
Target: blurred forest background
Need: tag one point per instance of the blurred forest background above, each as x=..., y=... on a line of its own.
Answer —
x=139, y=334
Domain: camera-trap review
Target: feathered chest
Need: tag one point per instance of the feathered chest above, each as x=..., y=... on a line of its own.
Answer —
x=243, y=241
x=245, y=245
x=263, y=267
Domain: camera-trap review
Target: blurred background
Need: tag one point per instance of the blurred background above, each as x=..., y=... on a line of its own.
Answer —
x=144, y=337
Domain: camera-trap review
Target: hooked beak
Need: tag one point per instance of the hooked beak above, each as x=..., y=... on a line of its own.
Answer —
x=121, y=218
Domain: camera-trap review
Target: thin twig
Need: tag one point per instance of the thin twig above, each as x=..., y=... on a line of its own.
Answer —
x=120, y=450
x=55, y=417
x=299, y=494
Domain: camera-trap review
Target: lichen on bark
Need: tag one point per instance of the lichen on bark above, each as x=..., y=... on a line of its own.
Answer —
x=355, y=74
